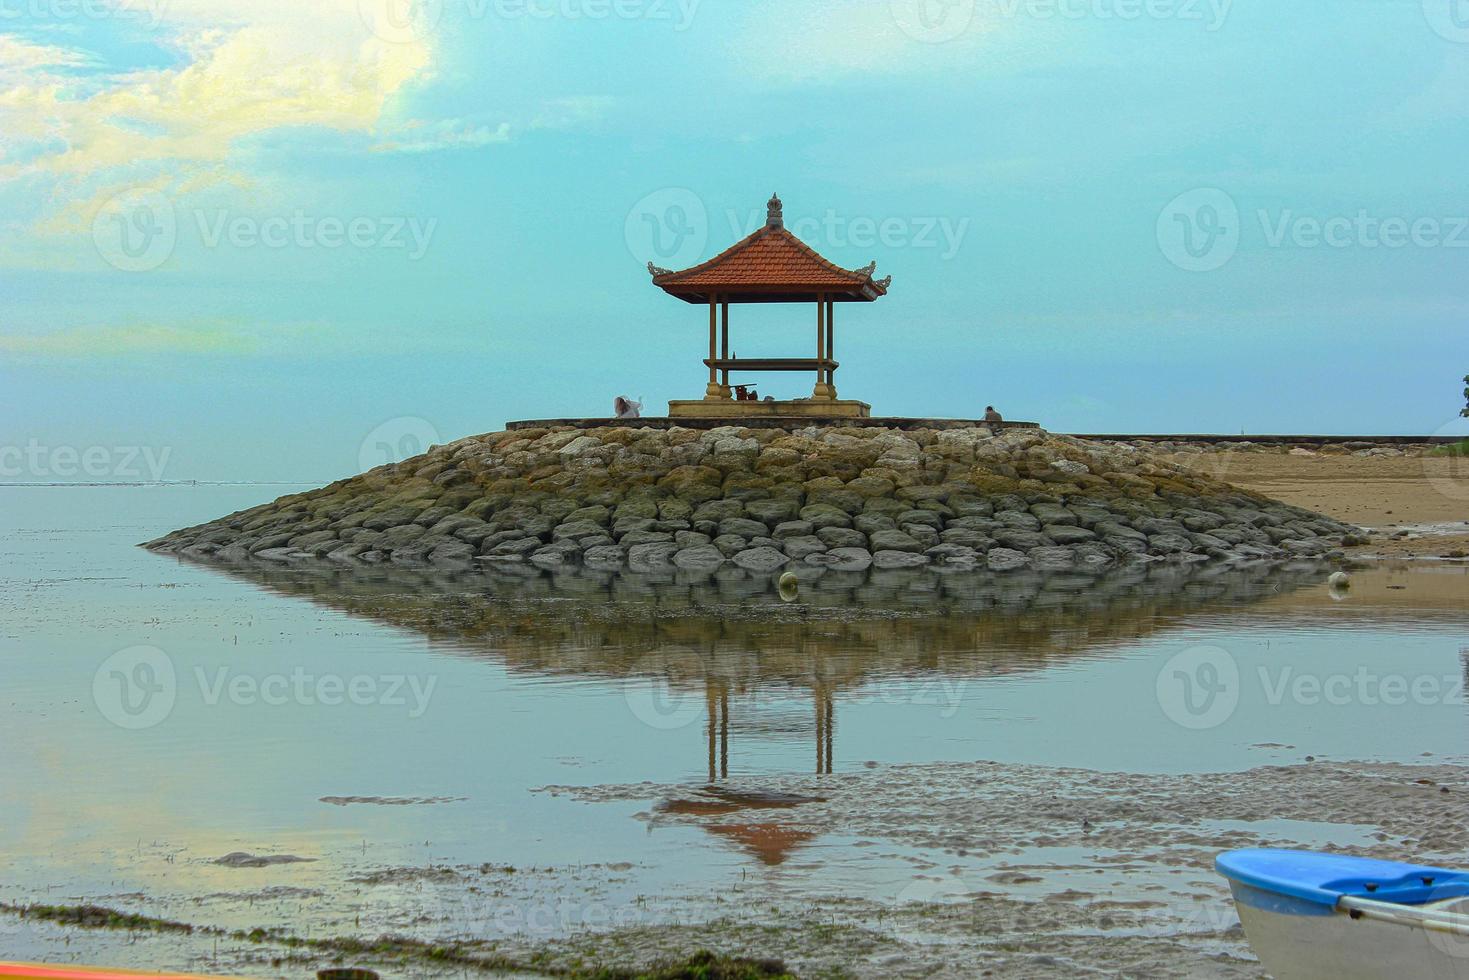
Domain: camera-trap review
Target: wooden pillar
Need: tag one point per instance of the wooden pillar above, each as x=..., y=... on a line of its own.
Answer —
x=822, y=390
x=723, y=732
x=724, y=346
x=713, y=392
x=831, y=372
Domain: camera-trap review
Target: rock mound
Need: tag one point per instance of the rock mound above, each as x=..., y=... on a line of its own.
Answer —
x=761, y=499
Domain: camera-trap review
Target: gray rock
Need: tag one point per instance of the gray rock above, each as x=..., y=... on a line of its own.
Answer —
x=691, y=539
x=731, y=544
x=799, y=547
x=842, y=559
x=898, y=559
x=771, y=511
x=1169, y=543
x=1005, y=559
x=826, y=515
x=404, y=534
x=451, y=551
x=792, y=529
x=346, y=553
x=1068, y=534
x=1052, y=558
x=635, y=538
x=560, y=553
x=760, y=559
x=1019, y=520
x=604, y=556
x=1020, y=540
x=953, y=554
x=928, y=517
x=921, y=533
x=894, y=541
x=967, y=538
x=744, y=527
x=867, y=523
x=574, y=530
x=515, y=546
x=652, y=555
x=699, y=556
x=842, y=537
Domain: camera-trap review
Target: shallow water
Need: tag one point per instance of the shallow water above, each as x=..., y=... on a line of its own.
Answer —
x=387, y=719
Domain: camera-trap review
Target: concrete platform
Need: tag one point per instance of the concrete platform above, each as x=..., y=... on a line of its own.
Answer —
x=766, y=422
x=728, y=408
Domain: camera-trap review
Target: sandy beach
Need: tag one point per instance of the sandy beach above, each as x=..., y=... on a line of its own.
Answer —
x=1418, y=506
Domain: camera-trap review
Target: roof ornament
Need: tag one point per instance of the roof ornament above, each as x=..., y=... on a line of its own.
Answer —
x=883, y=283
x=655, y=271
x=774, y=213
x=867, y=270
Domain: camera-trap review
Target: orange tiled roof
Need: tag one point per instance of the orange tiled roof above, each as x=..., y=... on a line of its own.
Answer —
x=771, y=265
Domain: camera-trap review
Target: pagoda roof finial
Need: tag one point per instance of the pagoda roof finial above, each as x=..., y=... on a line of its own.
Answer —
x=774, y=213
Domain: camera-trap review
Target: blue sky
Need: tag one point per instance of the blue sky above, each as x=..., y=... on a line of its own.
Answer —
x=264, y=239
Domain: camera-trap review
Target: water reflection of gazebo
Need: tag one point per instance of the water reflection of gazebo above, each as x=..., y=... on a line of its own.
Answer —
x=716, y=697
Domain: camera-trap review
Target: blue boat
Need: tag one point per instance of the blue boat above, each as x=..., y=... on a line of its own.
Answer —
x=1312, y=916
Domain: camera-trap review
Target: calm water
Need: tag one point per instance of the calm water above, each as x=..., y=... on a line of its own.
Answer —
x=159, y=715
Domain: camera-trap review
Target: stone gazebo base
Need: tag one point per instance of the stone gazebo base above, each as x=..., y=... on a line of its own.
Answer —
x=726, y=408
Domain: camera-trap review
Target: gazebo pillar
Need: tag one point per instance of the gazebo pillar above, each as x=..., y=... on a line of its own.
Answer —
x=724, y=346
x=822, y=391
x=831, y=372
x=713, y=391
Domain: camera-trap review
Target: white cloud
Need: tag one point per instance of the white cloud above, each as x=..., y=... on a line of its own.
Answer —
x=248, y=67
x=422, y=136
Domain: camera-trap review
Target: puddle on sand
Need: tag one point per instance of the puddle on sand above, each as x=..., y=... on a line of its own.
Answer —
x=416, y=804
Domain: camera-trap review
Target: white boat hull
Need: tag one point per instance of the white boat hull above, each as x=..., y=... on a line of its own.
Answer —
x=1300, y=944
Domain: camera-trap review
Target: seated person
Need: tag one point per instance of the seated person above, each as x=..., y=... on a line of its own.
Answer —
x=990, y=415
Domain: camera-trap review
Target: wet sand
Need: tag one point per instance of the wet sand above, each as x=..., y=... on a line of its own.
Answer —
x=1024, y=871
x=1426, y=497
